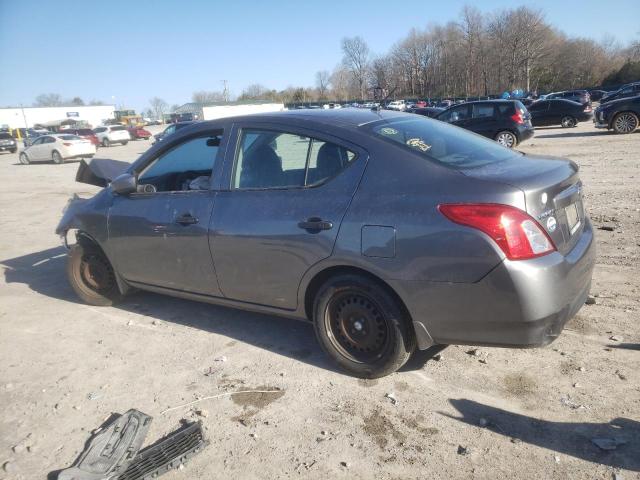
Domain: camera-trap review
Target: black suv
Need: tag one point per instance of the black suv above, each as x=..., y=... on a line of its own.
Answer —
x=506, y=121
x=559, y=112
x=621, y=116
x=7, y=142
x=629, y=90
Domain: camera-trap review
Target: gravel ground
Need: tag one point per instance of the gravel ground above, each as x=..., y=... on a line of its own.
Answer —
x=485, y=413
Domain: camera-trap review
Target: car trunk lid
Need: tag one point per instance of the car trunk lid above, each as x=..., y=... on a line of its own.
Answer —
x=552, y=191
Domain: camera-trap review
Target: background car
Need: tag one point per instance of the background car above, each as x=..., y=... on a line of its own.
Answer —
x=559, y=112
x=399, y=105
x=109, y=134
x=506, y=121
x=580, y=96
x=57, y=148
x=621, y=116
x=169, y=130
x=85, y=133
x=629, y=90
x=7, y=143
x=426, y=111
x=596, y=95
x=139, y=133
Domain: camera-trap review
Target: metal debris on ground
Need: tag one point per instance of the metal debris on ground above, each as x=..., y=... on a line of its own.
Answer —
x=391, y=396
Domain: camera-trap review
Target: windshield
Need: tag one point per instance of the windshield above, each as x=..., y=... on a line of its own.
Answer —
x=449, y=145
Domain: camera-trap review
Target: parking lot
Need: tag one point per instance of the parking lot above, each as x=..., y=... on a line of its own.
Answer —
x=468, y=413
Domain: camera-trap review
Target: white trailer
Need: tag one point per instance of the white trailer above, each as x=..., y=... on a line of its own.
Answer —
x=221, y=111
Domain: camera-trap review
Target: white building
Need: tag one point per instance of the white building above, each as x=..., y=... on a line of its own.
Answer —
x=213, y=112
x=94, y=115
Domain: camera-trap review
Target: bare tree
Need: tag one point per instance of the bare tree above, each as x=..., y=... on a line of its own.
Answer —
x=204, y=97
x=356, y=59
x=96, y=102
x=159, y=107
x=48, y=100
x=322, y=83
x=255, y=91
x=76, y=101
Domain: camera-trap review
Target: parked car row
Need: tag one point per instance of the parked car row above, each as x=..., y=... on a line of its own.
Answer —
x=509, y=122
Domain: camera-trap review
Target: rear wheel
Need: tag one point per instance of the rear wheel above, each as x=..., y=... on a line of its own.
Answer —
x=24, y=159
x=625, y=122
x=13, y=150
x=568, y=121
x=105, y=142
x=56, y=157
x=507, y=139
x=124, y=143
x=91, y=275
x=362, y=326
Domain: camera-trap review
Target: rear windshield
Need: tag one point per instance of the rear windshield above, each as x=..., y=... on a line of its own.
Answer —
x=436, y=140
x=5, y=136
x=115, y=129
x=85, y=131
x=69, y=137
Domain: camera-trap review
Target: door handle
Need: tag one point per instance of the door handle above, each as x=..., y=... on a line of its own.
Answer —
x=315, y=224
x=186, y=219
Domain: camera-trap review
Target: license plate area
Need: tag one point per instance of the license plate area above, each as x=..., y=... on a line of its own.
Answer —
x=573, y=217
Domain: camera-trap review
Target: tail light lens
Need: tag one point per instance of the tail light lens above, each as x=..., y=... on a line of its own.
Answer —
x=67, y=144
x=517, y=234
x=517, y=117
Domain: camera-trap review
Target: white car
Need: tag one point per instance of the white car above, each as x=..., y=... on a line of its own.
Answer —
x=399, y=105
x=112, y=134
x=57, y=148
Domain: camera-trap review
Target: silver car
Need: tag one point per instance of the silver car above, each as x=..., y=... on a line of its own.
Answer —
x=388, y=231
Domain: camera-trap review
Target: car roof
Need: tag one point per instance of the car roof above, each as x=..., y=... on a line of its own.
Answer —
x=349, y=117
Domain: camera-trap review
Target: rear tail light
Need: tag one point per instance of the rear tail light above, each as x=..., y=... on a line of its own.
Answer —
x=517, y=234
x=517, y=117
x=67, y=144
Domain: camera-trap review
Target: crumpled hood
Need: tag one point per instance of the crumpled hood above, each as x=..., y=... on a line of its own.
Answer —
x=100, y=172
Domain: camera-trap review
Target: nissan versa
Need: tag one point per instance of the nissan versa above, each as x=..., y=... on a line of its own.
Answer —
x=388, y=231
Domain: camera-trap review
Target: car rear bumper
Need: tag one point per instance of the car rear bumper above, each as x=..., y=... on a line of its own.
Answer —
x=525, y=133
x=8, y=147
x=518, y=304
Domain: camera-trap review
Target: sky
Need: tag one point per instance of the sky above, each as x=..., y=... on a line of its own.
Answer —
x=125, y=52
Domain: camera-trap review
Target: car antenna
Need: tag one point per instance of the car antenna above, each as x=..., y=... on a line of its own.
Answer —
x=376, y=108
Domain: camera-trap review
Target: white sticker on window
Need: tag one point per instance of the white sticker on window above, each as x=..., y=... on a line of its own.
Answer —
x=418, y=143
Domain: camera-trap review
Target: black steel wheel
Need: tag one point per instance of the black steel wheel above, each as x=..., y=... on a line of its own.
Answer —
x=91, y=275
x=360, y=324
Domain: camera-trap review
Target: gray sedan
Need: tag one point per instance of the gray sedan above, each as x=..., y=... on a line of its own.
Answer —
x=388, y=231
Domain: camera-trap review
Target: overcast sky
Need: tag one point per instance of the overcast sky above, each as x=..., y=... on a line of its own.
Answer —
x=125, y=52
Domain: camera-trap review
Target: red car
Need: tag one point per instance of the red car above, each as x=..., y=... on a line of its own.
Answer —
x=139, y=132
x=84, y=133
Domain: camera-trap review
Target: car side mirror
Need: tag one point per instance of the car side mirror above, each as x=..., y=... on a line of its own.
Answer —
x=124, y=184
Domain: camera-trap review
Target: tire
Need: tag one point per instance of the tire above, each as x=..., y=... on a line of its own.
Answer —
x=625, y=122
x=506, y=139
x=24, y=159
x=568, y=121
x=124, y=143
x=361, y=326
x=91, y=275
x=106, y=142
x=56, y=157
x=13, y=150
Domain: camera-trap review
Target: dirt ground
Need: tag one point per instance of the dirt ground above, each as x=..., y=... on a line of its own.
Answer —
x=490, y=413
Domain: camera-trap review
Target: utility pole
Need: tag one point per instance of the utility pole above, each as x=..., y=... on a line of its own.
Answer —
x=225, y=91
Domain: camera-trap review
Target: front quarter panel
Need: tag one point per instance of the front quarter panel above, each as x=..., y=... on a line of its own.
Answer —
x=88, y=215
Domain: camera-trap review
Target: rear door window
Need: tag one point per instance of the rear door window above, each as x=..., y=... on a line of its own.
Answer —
x=271, y=159
x=482, y=110
x=455, y=114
